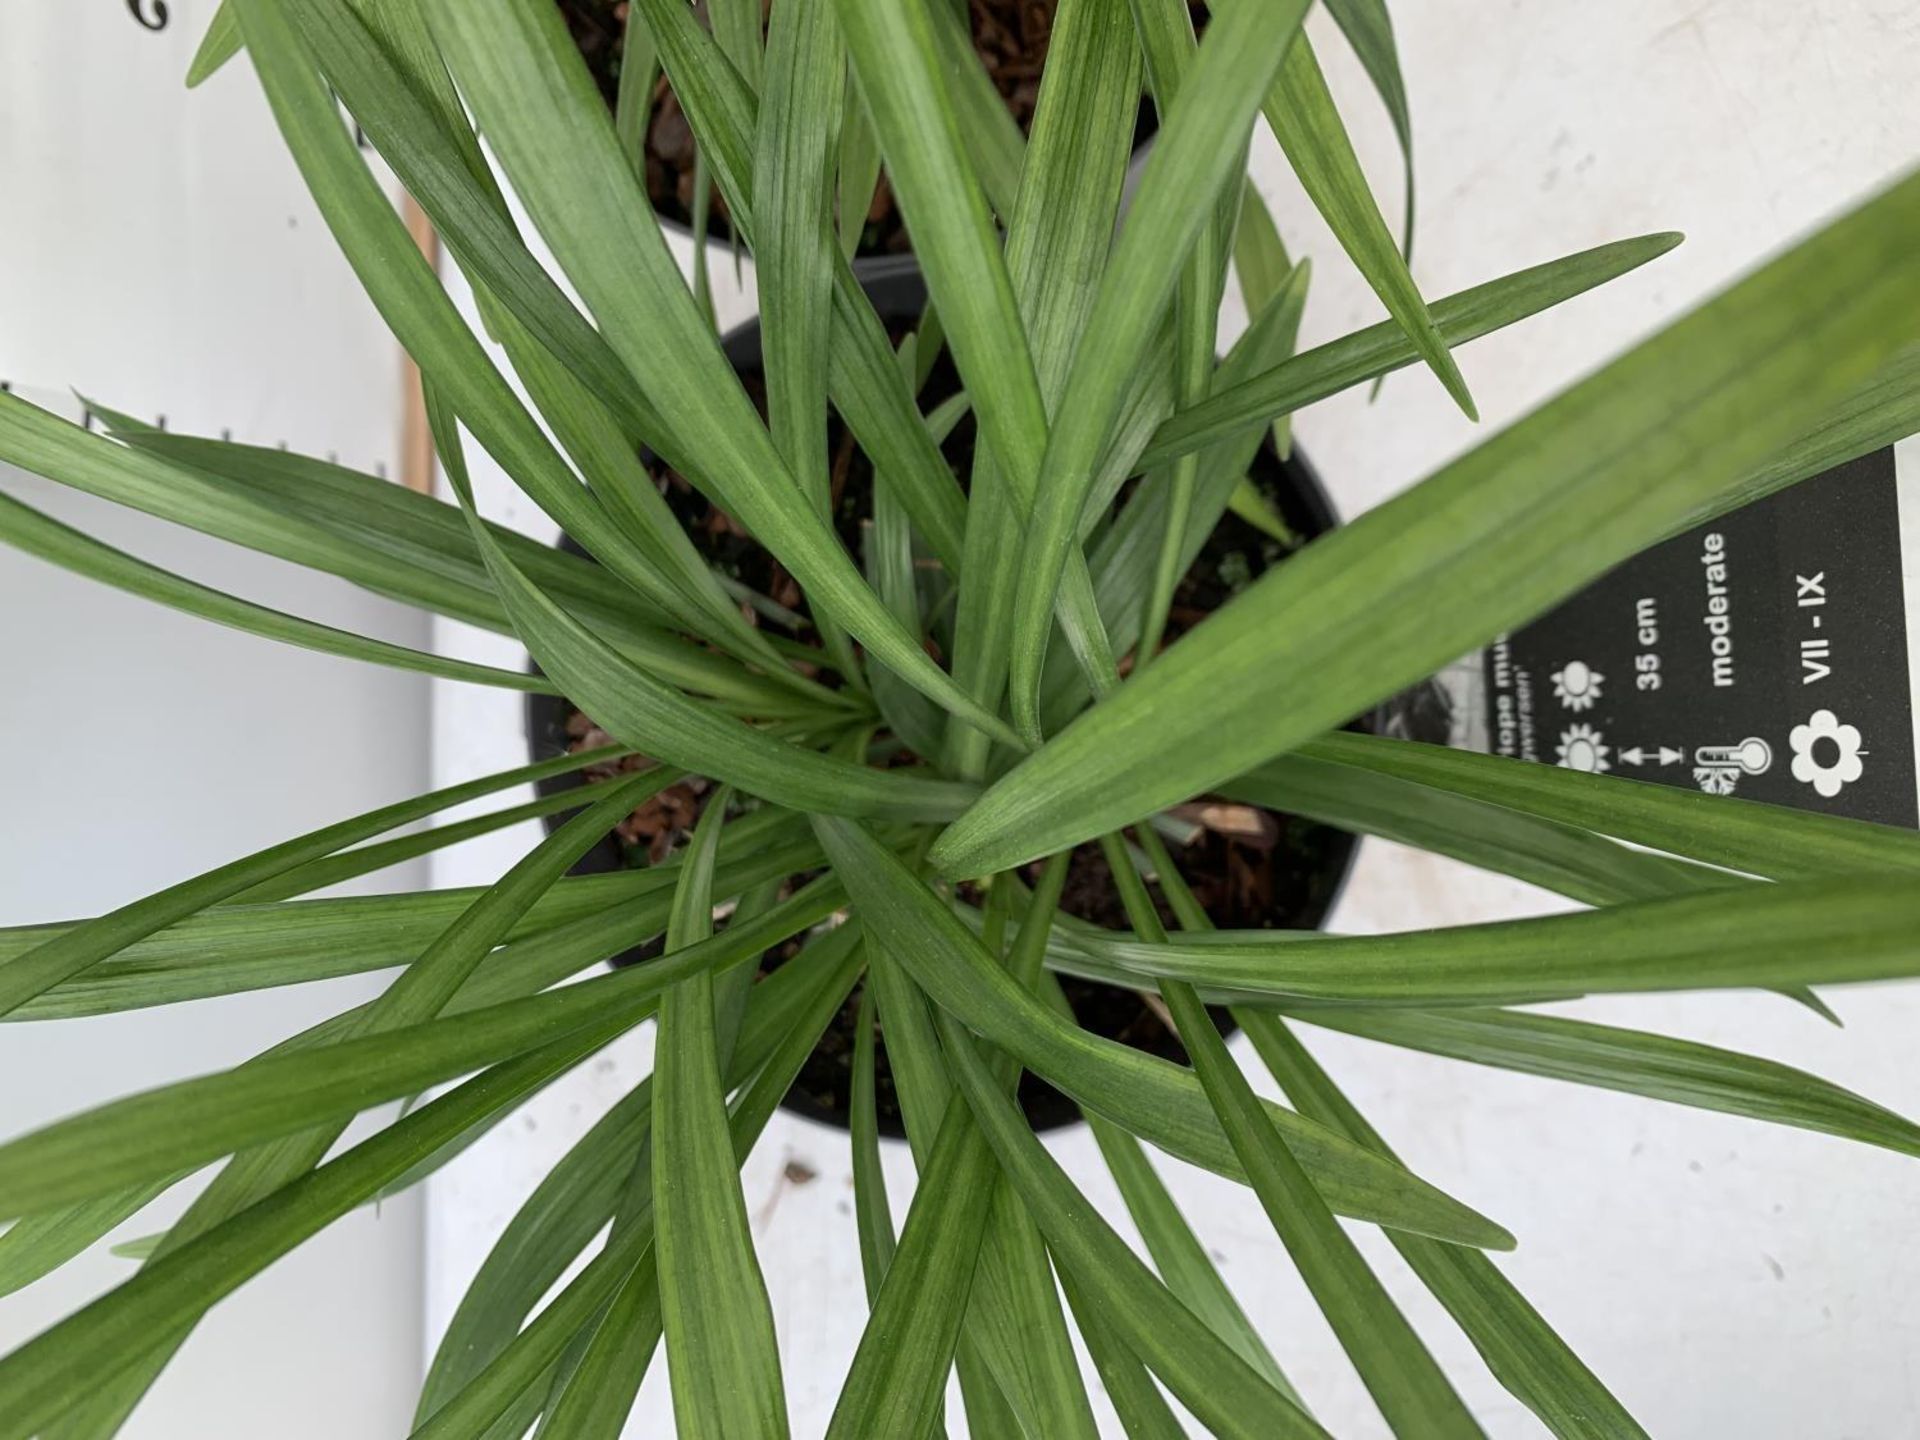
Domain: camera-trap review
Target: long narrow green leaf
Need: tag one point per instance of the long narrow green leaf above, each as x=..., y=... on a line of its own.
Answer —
x=1014, y=1333
x=597, y=1394
x=1189, y=166
x=1259, y=254
x=409, y=297
x=41, y=1242
x=580, y=921
x=425, y=533
x=1378, y=349
x=576, y=1197
x=1565, y=859
x=895, y=54
x=1519, y=1347
x=899, y=1372
x=219, y=45
x=1207, y=1377
x=995, y=148
x=415, y=122
x=1158, y=1101
x=993, y=1380
x=688, y=589
x=1143, y=1410
x=1260, y=259
x=67, y=951
x=873, y=1217
x=1777, y=841
x=430, y=983
x=1520, y=522
x=890, y=570
x=573, y=375
x=530, y=1355
x=366, y=859
x=799, y=121
x=410, y=917
x=1015, y=1282
x=1683, y=1072
x=438, y=568
x=161, y=1131
x=1018, y=1277
x=736, y=25
x=1178, y=1255
x=526, y=82
x=856, y=169
x=639, y=69
x=1369, y=30
x=1127, y=550
x=62, y=1365
x=595, y=1381
x=1584, y=866
x=1166, y=39
x=1057, y=245
x=1577, y=863
x=56, y=1235
x=1397, y=1369
x=47, y=539
x=511, y=1389
x=1015, y=1324
x=42, y=443
x=37, y=1245
x=573, y=1200
x=420, y=993
x=863, y=378
x=1177, y=1252
x=1301, y=111
x=1819, y=932
x=1879, y=413
x=719, y=1326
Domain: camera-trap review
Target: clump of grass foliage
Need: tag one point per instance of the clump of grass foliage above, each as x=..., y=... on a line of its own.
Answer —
x=1053, y=718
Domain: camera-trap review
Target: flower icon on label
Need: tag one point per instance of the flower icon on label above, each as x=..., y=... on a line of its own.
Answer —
x=1826, y=754
x=1576, y=685
x=1580, y=749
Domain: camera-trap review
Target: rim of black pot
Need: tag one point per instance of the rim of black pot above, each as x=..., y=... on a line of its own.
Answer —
x=897, y=288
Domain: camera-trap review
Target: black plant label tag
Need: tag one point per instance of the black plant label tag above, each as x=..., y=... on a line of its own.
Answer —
x=1772, y=654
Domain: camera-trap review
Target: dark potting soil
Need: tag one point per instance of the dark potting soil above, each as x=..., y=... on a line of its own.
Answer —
x=1011, y=37
x=1249, y=867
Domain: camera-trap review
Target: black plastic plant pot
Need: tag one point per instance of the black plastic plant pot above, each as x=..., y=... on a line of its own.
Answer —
x=1252, y=868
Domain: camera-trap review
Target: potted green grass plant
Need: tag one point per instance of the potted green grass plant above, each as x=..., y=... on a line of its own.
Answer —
x=892, y=797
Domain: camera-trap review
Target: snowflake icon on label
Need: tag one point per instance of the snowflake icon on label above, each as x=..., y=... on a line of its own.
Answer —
x=1576, y=685
x=1580, y=748
x=1826, y=753
x=1717, y=768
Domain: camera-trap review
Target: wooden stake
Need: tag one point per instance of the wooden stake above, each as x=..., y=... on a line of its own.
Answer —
x=416, y=441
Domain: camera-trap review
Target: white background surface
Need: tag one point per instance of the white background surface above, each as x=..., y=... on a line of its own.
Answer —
x=1726, y=1279
x=159, y=253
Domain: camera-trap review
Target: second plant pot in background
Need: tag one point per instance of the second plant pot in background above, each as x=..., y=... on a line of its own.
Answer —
x=1009, y=36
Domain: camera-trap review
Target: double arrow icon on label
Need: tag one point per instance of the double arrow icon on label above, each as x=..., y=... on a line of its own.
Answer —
x=1666, y=755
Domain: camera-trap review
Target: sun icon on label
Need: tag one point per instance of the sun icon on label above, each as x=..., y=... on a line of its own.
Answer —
x=1580, y=749
x=1576, y=685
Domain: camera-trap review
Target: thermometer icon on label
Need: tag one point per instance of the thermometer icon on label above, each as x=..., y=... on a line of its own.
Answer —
x=1718, y=768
